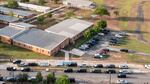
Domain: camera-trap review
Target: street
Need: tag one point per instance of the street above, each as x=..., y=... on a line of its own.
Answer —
x=90, y=78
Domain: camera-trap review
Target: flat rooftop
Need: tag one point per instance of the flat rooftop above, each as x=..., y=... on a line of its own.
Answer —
x=70, y=27
x=22, y=25
x=40, y=38
x=9, y=31
x=15, y=11
x=8, y=18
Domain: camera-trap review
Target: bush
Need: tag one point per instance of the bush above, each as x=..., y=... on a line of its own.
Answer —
x=12, y=4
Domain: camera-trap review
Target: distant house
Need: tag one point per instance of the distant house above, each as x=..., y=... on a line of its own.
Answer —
x=34, y=7
x=71, y=28
x=16, y=12
x=83, y=4
x=7, y=19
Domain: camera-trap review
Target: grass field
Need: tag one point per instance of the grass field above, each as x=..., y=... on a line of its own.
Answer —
x=134, y=44
x=9, y=51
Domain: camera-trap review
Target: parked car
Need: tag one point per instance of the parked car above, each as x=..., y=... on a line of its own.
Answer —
x=110, y=71
x=70, y=64
x=84, y=47
x=105, y=31
x=103, y=51
x=124, y=66
x=68, y=70
x=147, y=66
x=96, y=71
x=11, y=69
x=32, y=64
x=1, y=78
x=124, y=50
x=101, y=34
x=72, y=80
x=122, y=75
x=81, y=70
x=122, y=82
x=10, y=79
x=17, y=61
x=25, y=69
x=31, y=78
x=83, y=66
x=98, y=66
x=22, y=64
x=100, y=56
x=126, y=71
x=110, y=66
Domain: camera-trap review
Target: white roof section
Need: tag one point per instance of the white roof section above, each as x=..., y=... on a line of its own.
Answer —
x=7, y=18
x=40, y=38
x=70, y=27
x=79, y=2
x=34, y=7
x=9, y=31
x=22, y=25
x=15, y=11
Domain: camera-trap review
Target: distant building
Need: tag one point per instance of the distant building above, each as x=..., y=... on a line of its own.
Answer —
x=7, y=19
x=17, y=13
x=27, y=36
x=34, y=7
x=71, y=28
x=83, y=4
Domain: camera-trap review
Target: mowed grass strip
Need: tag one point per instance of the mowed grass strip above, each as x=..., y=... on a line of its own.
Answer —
x=10, y=51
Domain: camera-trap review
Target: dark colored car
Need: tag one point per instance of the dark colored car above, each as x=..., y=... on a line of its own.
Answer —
x=98, y=66
x=105, y=31
x=70, y=64
x=96, y=39
x=72, y=80
x=17, y=61
x=68, y=70
x=11, y=69
x=32, y=64
x=1, y=78
x=122, y=75
x=96, y=71
x=110, y=71
x=110, y=66
x=81, y=70
x=25, y=69
x=124, y=50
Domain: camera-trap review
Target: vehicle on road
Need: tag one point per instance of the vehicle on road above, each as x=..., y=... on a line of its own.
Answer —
x=124, y=50
x=22, y=64
x=122, y=75
x=70, y=64
x=25, y=69
x=31, y=79
x=72, y=80
x=11, y=68
x=147, y=66
x=110, y=71
x=122, y=82
x=100, y=56
x=126, y=71
x=17, y=61
x=10, y=79
x=1, y=78
x=81, y=70
x=98, y=66
x=96, y=71
x=110, y=66
x=68, y=70
x=32, y=64
x=123, y=66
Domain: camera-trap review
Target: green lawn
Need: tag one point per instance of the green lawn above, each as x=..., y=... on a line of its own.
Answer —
x=9, y=51
x=134, y=44
x=98, y=2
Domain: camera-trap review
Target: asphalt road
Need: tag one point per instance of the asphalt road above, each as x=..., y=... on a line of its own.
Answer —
x=90, y=78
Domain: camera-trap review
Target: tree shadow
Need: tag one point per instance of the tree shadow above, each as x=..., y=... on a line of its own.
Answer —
x=129, y=19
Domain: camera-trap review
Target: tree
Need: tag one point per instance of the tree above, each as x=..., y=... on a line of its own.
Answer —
x=12, y=4
x=101, y=24
x=24, y=1
x=101, y=11
x=87, y=34
x=40, y=19
x=63, y=80
x=49, y=14
x=51, y=79
x=39, y=77
x=41, y=2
